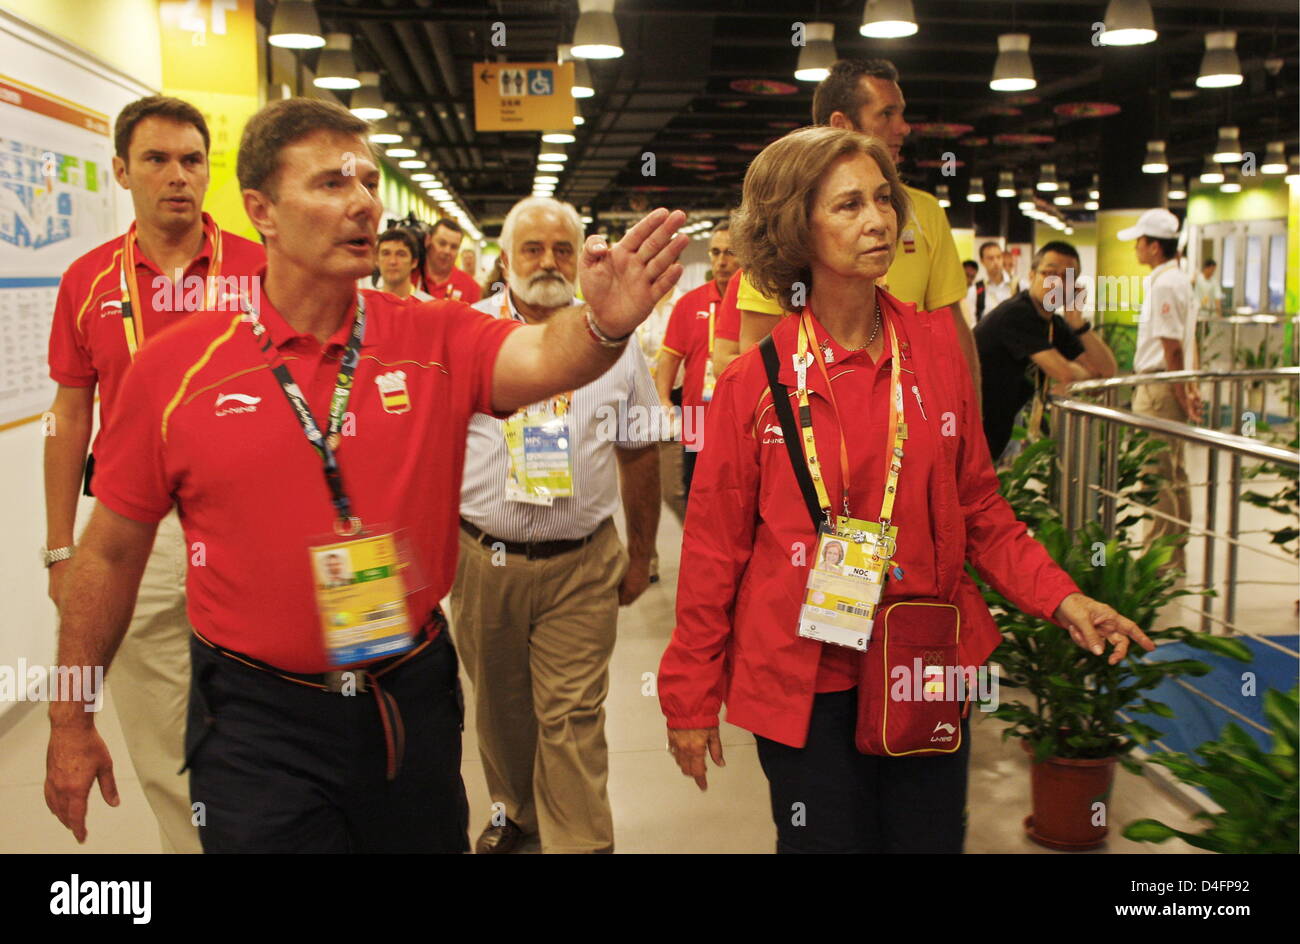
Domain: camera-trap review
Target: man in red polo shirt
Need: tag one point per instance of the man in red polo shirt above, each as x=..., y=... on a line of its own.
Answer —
x=690, y=335
x=441, y=277
x=171, y=262
x=324, y=714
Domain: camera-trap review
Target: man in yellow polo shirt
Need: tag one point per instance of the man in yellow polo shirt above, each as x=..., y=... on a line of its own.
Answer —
x=863, y=95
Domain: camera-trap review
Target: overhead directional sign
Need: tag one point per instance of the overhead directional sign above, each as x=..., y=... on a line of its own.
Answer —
x=523, y=96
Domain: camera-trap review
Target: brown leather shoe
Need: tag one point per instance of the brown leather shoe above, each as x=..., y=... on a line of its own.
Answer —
x=498, y=840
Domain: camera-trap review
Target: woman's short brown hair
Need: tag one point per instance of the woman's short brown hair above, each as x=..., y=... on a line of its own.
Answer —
x=770, y=233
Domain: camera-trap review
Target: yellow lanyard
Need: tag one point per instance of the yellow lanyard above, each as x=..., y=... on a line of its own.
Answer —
x=897, y=428
x=133, y=326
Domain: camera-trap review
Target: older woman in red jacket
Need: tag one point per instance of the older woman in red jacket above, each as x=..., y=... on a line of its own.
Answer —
x=809, y=647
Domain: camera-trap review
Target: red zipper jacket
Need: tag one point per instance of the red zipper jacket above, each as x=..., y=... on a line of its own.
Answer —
x=739, y=592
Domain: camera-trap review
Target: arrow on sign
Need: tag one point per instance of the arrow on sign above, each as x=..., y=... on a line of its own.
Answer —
x=488, y=77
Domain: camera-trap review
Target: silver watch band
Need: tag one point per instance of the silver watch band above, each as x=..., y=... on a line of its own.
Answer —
x=52, y=555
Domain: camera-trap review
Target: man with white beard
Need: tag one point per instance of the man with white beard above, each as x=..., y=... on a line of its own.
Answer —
x=542, y=572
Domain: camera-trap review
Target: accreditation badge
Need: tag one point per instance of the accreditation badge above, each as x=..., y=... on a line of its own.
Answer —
x=709, y=381
x=540, y=451
x=361, y=593
x=845, y=583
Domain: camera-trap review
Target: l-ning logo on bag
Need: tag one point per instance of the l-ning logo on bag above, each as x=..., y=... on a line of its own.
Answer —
x=393, y=394
x=942, y=726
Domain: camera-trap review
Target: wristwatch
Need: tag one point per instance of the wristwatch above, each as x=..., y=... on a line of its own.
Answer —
x=52, y=555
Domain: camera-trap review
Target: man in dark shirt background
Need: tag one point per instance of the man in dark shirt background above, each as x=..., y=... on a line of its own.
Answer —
x=1042, y=325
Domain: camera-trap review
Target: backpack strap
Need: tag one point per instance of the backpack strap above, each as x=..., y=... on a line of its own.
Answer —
x=781, y=403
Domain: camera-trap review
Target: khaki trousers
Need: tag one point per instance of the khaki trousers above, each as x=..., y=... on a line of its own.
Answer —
x=150, y=682
x=535, y=637
x=671, y=486
x=1170, y=466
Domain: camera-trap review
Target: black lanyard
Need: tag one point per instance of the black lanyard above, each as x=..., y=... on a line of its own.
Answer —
x=325, y=446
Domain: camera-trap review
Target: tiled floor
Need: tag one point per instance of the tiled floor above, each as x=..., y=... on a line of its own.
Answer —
x=655, y=808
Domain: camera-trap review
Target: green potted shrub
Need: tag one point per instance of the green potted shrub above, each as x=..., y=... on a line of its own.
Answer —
x=1255, y=788
x=1070, y=723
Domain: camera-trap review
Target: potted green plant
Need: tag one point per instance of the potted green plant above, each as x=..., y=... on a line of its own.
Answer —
x=1071, y=722
x=1256, y=789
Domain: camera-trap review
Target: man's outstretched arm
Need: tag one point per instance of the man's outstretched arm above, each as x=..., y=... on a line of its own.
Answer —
x=621, y=284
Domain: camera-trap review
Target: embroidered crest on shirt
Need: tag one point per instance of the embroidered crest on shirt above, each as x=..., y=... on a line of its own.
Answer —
x=393, y=395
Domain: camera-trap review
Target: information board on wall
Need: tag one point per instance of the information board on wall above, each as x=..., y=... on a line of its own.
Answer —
x=58, y=198
x=55, y=205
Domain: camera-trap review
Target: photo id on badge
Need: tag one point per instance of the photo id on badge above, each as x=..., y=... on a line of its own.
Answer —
x=362, y=586
x=845, y=583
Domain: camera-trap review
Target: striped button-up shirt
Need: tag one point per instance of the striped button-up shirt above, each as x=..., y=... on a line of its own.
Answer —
x=620, y=408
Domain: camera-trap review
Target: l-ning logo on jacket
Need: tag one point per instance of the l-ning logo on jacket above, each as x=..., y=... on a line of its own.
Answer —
x=393, y=394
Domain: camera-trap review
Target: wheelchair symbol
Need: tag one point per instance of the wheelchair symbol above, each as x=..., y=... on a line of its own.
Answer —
x=540, y=82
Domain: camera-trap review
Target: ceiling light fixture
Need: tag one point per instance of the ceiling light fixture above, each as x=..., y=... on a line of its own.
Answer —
x=1274, y=158
x=1047, y=178
x=817, y=55
x=595, y=36
x=1228, y=148
x=1013, y=72
x=1220, y=67
x=583, y=86
x=1128, y=23
x=1211, y=173
x=888, y=19
x=1231, y=180
x=367, y=101
x=976, y=192
x=336, y=69
x=1006, y=184
x=1155, y=162
x=1177, y=187
x=558, y=137
x=295, y=25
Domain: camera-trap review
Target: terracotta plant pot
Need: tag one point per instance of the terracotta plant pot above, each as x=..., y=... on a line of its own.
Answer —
x=1064, y=791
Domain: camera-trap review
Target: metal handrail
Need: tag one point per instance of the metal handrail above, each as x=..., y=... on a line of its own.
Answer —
x=1184, y=376
x=1229, y=442
x=1089, y=483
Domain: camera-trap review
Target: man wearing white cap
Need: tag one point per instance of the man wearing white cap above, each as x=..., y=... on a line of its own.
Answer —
x=1166, y=340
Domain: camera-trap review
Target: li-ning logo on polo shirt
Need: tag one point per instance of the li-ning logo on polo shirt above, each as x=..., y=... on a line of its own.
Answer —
x=777, y=435
x=393, y=395
x=245, y=403
x=110, y=307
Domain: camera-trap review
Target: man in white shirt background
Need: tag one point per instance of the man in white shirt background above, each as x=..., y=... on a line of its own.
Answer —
x=1166, y=341
x=542, y=572
x=996, y=286
x=1209, y=295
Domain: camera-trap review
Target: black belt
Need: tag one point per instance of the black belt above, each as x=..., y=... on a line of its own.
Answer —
x=534, y=550
x=361, y=679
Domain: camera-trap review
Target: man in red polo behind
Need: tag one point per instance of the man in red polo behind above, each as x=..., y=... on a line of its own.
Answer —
x=690, y=335
x=441, y=277
x=171, y=262
x=324, y=714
